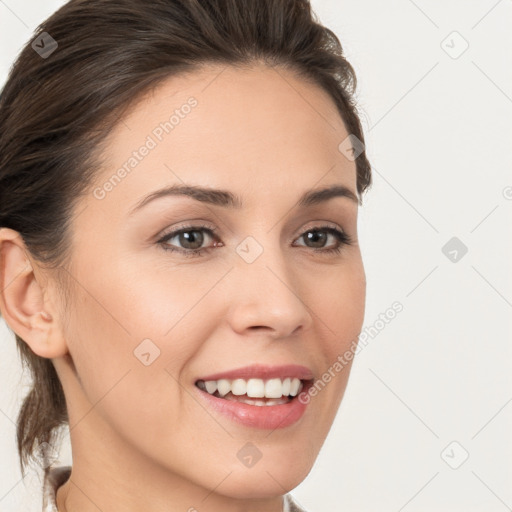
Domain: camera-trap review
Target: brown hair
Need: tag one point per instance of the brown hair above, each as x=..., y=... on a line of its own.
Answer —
x=56, y=108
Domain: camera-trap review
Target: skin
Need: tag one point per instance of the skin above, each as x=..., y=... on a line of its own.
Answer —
x=140, y=438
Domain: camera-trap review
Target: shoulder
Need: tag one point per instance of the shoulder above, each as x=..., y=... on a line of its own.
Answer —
x=53, y=479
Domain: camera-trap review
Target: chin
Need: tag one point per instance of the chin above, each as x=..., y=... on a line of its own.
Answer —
x=265, y=482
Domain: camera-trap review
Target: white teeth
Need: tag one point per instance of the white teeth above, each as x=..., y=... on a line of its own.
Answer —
x=223, y=386
x=239, y=387
x=294, y=387
x=273, y=388
x=211, y=386
x=286, y=386
x=254, y=388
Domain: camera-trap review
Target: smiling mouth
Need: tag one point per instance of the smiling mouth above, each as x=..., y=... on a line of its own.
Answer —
x=257, y=392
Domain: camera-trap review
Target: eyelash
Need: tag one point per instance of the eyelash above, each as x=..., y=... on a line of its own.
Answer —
x=343, y=239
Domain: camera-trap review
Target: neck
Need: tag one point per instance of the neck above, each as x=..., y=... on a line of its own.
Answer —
x=108, y=474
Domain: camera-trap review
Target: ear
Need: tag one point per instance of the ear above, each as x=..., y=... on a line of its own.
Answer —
x=23, y=304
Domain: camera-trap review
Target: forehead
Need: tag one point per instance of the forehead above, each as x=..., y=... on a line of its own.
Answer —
x=256, y=129
x=254, y=88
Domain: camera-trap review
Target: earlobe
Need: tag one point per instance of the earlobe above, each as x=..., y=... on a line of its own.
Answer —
x=22, y=299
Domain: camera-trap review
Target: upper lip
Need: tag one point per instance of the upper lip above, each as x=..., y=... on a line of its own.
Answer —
x=261, y=371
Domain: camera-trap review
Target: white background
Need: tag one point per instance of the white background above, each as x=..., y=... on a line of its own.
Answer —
x=439, y=136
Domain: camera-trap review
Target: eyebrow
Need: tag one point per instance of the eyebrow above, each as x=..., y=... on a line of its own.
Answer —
x=227, y=199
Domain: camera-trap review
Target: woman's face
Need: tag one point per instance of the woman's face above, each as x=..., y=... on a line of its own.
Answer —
x=146, y=323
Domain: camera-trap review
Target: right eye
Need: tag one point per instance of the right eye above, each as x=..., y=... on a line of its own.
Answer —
x=195, y=240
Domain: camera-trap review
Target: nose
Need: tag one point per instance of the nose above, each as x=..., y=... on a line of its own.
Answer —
x=267, y=297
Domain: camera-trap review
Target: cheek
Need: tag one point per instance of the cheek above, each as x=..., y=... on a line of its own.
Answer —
x=131, y=333
x=127, y=369
x=157, y=296
x=339, y=304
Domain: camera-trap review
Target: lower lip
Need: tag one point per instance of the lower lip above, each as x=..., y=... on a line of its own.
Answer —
x=264, y=416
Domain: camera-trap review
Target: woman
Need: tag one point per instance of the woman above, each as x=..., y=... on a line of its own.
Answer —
x=179, y=189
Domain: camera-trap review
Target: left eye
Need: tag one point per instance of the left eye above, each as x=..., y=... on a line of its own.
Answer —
x=192, y=238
